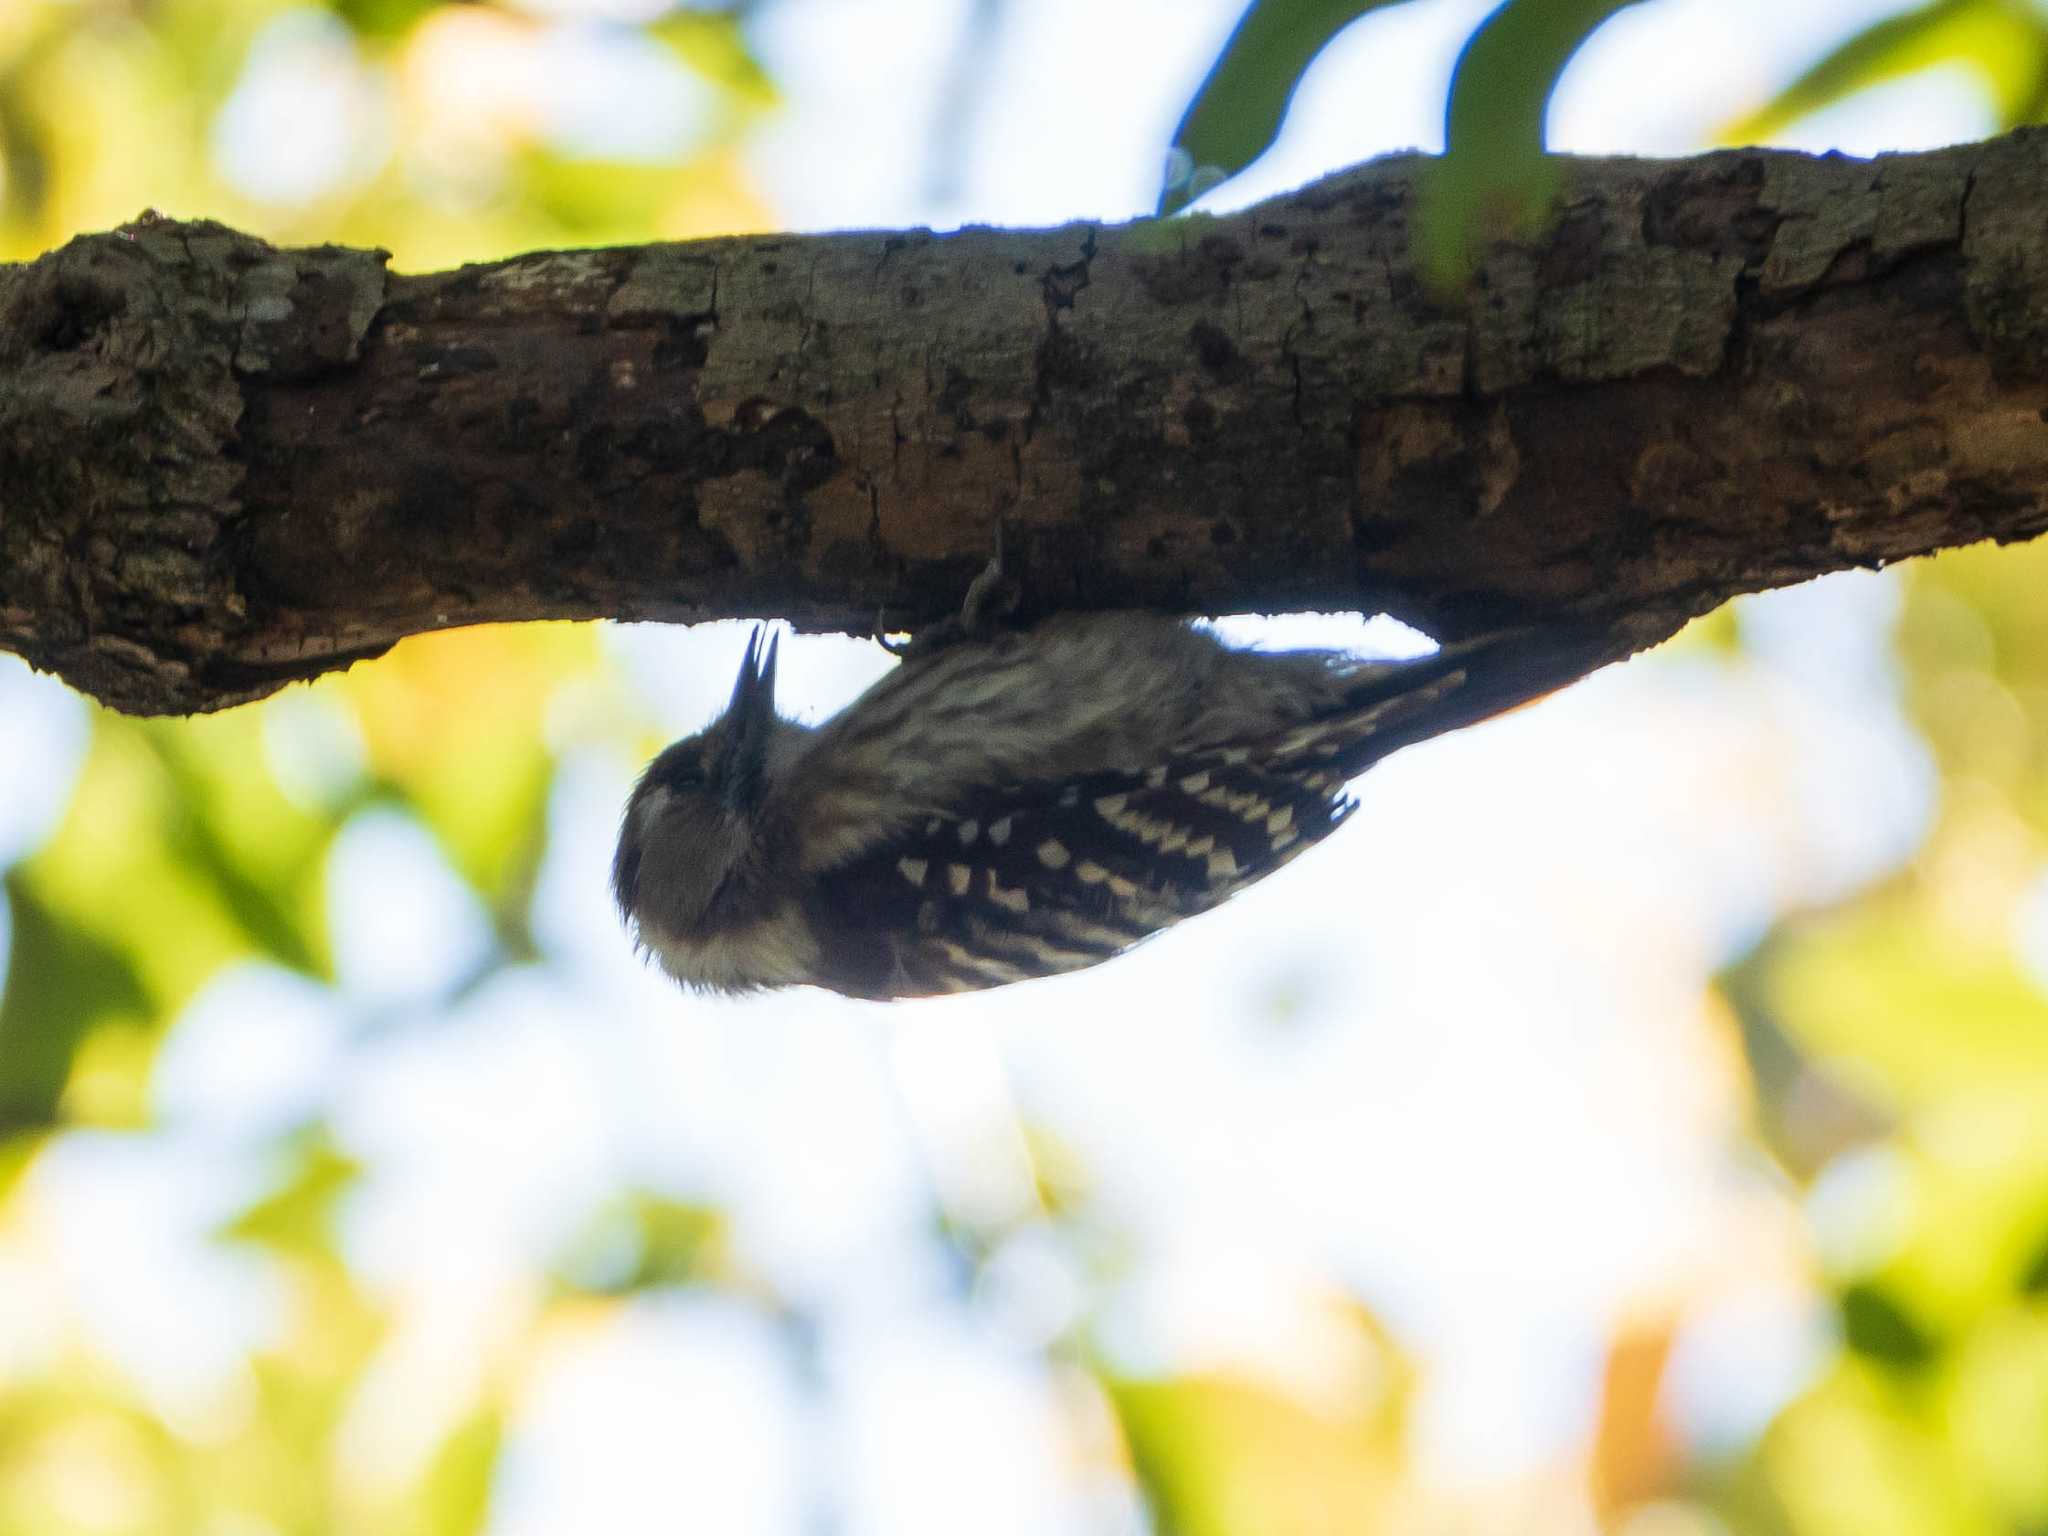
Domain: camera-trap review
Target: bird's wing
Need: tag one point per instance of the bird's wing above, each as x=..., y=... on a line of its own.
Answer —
x=1041, y=877
x=1038, y=878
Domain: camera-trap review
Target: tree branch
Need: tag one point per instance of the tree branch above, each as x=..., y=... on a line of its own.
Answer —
x=224, y=466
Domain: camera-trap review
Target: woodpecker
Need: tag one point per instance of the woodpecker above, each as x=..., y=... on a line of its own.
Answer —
x=1023, y=803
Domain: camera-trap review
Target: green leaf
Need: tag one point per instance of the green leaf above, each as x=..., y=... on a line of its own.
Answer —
x=1923, y=1012
x=643, y=1241
x=1221, y=1455
x=179, y=851
x=2004, y=41
x=454, y=1497
x=1856, y=1455
x=456, y=727
x=297, y=1217
x=1877, y=1327
x=24, y=153
x=595, y=201
x=1973, y=640
x=1494, y=179
x=1807, y=1114
x=2034, y=1276
x=382, y=19
x=1236, y=112
x=714, y=44
x=265, y=901
x=62, y=983
x=1718, y=633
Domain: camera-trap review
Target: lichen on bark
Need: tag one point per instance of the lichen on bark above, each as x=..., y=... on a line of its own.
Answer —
x=224, y=466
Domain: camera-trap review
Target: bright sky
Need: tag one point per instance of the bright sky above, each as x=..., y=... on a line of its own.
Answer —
x=1495, y=1107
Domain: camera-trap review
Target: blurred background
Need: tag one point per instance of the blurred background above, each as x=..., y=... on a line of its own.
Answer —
x=1636, y=1121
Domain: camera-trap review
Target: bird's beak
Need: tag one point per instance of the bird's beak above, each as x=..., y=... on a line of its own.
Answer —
x=751, y=713
x=753, y=693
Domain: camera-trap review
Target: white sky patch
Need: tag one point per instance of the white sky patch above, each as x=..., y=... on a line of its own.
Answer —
x=128, y=1222
x=674, y=1413
x=587, y=71
x=483, y=1139
x=48, y=727
x=935, y=1422
x=2030, y=931
x=1739, y=1363
x=1379, y=635
x=1664, y=79
x=1378, y=87
x=860, y=81
x=404, y=926
x=1032, y=1290
x=1076, y=120
x=1860, y=1209
x=254, y=1055
x=686, y=673
x=313, y=747
x=307, y=117
x=584, y=935
x=1947, y=105
x=956, y=1096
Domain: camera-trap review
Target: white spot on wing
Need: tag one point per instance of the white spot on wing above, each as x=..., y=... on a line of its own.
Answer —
x=986, y=969
x=1014, y=898
x=912, y=870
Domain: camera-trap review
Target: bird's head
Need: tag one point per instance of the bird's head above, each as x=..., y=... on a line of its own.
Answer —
x=692, y=837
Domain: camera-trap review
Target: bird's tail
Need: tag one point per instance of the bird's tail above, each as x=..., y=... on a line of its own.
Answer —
x=1398, y=704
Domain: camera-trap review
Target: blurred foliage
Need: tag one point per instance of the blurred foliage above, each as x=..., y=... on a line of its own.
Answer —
x=1924, y=997
x=1898, y=1040
x=1493, y=181
x=2004, y=43
x=1229, y=1456
x=183, y=854
x=1236, y=112
x=62, y=983
x=644, y=1240
x=422, y=127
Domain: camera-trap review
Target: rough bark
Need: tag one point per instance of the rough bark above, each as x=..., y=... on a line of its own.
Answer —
x=225, y=466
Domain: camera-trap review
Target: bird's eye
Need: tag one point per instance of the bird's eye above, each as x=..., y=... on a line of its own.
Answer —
x=679, y=767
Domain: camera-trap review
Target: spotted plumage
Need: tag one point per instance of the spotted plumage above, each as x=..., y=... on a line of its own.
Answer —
x=1022, y=805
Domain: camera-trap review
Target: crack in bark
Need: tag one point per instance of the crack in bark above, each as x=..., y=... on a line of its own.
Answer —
x=224, y=466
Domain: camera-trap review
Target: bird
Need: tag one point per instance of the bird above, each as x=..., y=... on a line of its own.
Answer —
x=1023, y=802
